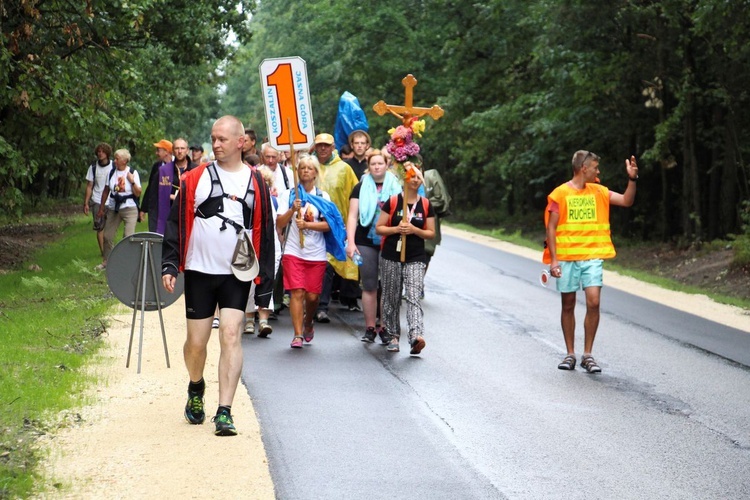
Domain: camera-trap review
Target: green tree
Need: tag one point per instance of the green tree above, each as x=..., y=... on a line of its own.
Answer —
x=102, y=70
x=524, y=84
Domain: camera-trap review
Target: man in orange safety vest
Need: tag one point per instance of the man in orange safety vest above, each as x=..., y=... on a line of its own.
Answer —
x=578, y=240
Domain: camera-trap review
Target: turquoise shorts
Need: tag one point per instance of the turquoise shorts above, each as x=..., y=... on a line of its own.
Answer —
x=578, y=274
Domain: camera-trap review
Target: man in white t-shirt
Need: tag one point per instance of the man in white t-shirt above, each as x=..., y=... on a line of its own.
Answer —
x=216, y=202
x=96, y=179
x=283, y=176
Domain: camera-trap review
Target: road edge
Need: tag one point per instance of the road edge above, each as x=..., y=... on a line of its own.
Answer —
x=731, y=316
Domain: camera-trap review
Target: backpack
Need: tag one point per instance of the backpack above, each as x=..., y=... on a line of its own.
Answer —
x=214, y=204
x=120, y=198
x=438, y=193
x=93, y=168
x=286, y=177
x=392, y=202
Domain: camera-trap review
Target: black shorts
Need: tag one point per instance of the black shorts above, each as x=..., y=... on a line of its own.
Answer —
x=204, y=291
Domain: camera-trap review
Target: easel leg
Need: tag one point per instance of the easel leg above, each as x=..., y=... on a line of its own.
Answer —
x=135, y=310
x=142, y=283
x=157, y=294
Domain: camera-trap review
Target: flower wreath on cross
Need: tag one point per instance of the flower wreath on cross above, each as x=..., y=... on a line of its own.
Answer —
x=403, y=148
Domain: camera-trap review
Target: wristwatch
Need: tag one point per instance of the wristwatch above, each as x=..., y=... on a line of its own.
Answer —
x=633, y=179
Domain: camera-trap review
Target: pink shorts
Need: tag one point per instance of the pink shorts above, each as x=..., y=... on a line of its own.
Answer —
x=305, y=274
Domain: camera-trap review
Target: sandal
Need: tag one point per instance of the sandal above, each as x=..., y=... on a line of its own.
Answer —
x=265, y=329
x=309, y=333
x=249, y=326
x=297, y=342
x=589, y=364
x=568, y=363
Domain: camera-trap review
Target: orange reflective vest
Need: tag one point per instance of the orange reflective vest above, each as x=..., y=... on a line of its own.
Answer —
x=583, y=228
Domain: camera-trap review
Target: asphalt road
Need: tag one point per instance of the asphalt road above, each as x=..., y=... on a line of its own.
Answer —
x=484, y=412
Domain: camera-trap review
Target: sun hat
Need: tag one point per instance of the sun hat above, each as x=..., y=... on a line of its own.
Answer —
x=245, y=266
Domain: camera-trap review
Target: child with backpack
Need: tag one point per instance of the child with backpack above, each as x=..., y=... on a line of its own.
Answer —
x=403, y=260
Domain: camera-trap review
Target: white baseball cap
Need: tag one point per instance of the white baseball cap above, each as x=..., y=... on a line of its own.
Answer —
x=245, y=266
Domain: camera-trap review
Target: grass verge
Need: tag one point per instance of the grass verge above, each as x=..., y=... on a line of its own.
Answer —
x=51, y=321
x=643, y=275
x=669, y=284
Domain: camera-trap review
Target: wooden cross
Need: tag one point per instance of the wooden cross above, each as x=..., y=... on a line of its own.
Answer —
x=408, y=110
x=405, y=113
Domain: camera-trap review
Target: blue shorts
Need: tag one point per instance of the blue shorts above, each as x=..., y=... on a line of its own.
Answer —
x=580, y=274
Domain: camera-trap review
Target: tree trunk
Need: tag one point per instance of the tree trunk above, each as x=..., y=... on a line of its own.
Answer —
x=715, y=175
x=691, y=188
x=730, y=183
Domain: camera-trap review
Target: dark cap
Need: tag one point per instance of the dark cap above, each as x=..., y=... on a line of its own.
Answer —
x=196, y=147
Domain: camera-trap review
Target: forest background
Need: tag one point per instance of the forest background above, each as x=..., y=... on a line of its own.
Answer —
x=524, y=84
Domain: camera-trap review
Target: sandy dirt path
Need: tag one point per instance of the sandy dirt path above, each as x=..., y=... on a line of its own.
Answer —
x=132, y=441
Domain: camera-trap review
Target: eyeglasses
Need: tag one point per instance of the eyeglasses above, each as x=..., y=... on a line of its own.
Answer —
x=589, y=154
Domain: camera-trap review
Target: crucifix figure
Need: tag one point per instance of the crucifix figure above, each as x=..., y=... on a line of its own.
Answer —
x=408, y=110
x=406, y=113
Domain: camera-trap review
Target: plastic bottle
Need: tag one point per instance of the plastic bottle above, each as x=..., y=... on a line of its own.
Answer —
x=357, y=258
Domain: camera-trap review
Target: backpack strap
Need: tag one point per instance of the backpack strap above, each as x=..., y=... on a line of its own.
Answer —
x=214, y=204
x=286, y=177
x=394, y=208
x=114, y=169
x=394, y=202
x=121, y=198
x=136, y=199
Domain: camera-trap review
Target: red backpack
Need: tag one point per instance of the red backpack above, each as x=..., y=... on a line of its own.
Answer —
x=393, y=202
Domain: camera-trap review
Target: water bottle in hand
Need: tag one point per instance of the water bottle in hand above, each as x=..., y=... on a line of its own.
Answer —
x=357, y=258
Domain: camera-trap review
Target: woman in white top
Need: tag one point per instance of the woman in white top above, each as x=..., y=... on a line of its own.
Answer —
x=304, y=263
x=120, y=195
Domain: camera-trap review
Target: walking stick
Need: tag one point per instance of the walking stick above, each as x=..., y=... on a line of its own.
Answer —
x=293, y=161
x=404, y=209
